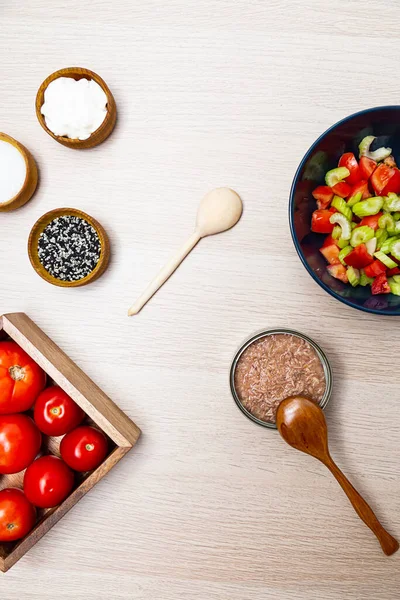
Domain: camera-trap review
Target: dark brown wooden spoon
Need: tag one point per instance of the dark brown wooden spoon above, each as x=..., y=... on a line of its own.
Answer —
x=302, y=425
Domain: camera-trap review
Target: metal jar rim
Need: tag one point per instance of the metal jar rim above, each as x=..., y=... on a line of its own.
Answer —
x=321, y=355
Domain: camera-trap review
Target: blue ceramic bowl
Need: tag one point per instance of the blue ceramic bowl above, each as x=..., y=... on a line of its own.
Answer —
x=383, y=122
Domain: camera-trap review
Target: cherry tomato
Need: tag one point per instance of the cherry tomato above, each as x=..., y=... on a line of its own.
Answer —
x=56, y=413
x=371, y=221
x=320, y=221
x=342, y=189
x=375, y=269
x=385, y=179
x=21, y=379
x=338, y=272
x=331, y=253
x=329, y=241
x=17, y=515
x=349, y=161
x=367, y=167
x=380, y=285
x=323, y=195
x=84, y=448
x=20, y=441
x=48, y=481
x=359, y=257
x=361, y=188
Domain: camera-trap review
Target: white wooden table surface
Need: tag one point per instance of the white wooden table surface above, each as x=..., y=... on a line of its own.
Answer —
x=208, y=505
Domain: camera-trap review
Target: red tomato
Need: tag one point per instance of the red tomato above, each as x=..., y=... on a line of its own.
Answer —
x=338, y=272
x=371, y=221
x=385, y=179
x=361, y=187
x=367, y=167
x=21, y=379
x=393, y=185
x=331, y=254
x=329, y=241
x=323, y=195
x=359, y=257
x=394, y=271
x=380, y=285
x=342, y=189
x=320, y=221
x=56, y=413
x=349, y=161
x=375, y=269
x=17, y=515
x=20, y=441
x=84, y=448
x=48, y=481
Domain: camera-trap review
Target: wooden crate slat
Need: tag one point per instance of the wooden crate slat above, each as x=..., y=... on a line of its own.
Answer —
x=54, y=515
x=71, y=379
x=97, y=405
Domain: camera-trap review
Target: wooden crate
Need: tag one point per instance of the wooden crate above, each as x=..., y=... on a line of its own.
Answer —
x=120, y=430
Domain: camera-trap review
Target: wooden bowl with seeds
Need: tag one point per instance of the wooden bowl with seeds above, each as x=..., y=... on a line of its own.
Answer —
x=31, y=178
x=68, y=248
x=106, y=127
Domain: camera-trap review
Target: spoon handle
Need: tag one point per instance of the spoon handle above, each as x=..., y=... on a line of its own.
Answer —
x=165, y=273
x=388, y=544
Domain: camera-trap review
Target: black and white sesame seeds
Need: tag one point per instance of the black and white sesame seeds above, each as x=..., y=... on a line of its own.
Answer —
x=69, y=248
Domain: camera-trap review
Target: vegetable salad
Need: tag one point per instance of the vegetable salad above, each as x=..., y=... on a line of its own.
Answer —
x=359, y=210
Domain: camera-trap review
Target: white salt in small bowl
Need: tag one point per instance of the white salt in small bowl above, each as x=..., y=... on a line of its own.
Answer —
x=260, y=335
x=106, y=127
x=18, y=174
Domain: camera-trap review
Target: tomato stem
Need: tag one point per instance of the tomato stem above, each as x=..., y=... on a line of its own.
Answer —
x=10, y=526
x=16, y=372
x=89, y=447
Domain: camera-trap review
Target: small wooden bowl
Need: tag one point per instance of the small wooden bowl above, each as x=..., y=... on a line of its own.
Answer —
x=31, y=179
x=107, y=125
x=42, y=223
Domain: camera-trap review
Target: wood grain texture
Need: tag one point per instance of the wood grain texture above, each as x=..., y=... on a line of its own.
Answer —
x=102, y=132
x=38, y=229
x=208, y=506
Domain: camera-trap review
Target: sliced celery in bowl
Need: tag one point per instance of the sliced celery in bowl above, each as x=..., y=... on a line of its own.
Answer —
x=382, y=124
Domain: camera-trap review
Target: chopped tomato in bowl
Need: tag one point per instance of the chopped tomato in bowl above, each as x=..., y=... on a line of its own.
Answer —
x=353, y=247
x=367, y=167
x=349, y=161
x=385, y=179
x=323, y=194
x=320, y=222
x=362, y=230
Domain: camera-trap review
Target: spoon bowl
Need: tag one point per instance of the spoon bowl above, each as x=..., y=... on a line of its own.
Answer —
x=302, y=425
x=219, y=210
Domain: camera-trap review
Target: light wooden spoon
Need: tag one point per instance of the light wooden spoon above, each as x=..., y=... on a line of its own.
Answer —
x=219, y=210
x=302, y=425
